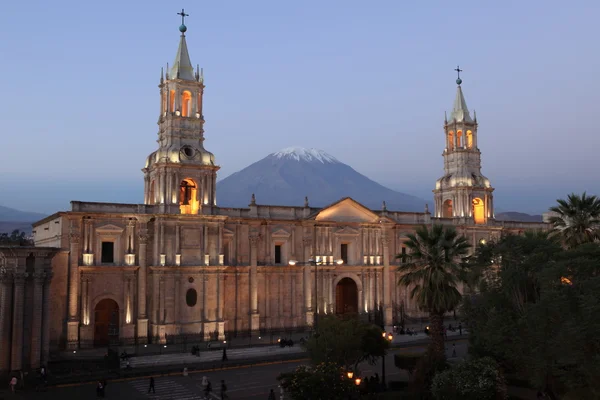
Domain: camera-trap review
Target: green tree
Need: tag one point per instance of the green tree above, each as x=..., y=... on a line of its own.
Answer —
x=477, y=379
x=16, y=238
x=577, y=219
x=346, y=342
x=435, y=269
x=536, y=312
x=324, y=381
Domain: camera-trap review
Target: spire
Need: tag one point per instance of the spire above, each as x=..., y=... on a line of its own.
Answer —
x=182, y=67
x=460, y=112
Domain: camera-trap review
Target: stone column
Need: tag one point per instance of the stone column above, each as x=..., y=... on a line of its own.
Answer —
x=307, y=281
x=16, y=359
x=45, y=356
x=142, y=321
x=219, y=311
x=6, y=281
x=387, y=304
x=73, y=323
x=254, y=316
x=36, y=325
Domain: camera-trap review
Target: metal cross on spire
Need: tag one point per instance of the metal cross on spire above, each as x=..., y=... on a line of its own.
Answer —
x=183, y=15
x=458, y=71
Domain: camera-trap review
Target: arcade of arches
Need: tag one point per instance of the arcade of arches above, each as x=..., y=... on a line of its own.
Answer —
x=106, y=322
x=346, y=297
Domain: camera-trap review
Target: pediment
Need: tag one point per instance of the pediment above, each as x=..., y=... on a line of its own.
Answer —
x=280, y=233
x=347, y=231
x=347, y=210
x=109, y=228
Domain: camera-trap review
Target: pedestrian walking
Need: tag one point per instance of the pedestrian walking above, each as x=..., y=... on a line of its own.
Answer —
x=271, y=395
x=453, y=350
x=13, y=384
x=223, y=390
x=224, y=358
x=151, y=387
x=207, y=390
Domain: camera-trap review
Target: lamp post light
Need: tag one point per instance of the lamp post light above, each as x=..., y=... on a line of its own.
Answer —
x=315, y=264
x=389, y=337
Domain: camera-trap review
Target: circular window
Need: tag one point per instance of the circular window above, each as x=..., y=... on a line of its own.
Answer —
x=188, y=151
x=191, y=297
x=191, y=280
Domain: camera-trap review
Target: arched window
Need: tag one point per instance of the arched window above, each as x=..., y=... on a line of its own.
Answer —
x=459, y=138
x=469, y=139
x=191, y=297
x=186, y=104
x=447, y=211
x=478, y=211
x=199, y=106
x=172, y=101
x=163, y=101
x=151, y=193
x=188, y=197
x=450, y=140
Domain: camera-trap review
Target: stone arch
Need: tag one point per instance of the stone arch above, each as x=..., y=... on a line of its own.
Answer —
x=450, y=140
x=152, y=193
x=469, y=139
x=459, y=139
x=186, y=103
x=172, y=101
x=447, y=209
x=188, y=196
x=478, y=210
x=352, y=276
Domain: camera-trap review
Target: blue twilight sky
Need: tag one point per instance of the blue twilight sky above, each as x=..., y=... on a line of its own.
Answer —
x=368, y=82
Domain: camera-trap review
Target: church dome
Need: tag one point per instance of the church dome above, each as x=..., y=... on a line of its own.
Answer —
x=462, y=179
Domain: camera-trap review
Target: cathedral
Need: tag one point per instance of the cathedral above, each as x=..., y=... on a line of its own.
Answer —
x=179, y=264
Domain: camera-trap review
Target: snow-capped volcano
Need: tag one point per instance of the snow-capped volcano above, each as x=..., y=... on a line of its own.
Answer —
x=287, y=176
x=302, y=154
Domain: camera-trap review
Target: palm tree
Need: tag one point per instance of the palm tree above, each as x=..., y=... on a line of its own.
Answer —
x=434, y=269
x=577, y=219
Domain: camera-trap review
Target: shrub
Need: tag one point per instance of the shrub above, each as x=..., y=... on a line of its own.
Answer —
x=477, y=379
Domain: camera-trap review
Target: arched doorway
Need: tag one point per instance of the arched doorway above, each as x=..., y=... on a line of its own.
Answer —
x=346, y=297
x=106, y=323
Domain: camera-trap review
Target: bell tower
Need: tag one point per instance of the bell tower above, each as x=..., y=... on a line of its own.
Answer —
x=181, y=175
x=463, y=192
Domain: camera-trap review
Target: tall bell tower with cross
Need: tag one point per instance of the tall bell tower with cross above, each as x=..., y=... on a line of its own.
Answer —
x=181, y=175
x=463, y=193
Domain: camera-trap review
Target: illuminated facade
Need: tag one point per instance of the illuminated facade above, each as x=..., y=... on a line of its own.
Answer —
x=179, y=264
x=463, y=193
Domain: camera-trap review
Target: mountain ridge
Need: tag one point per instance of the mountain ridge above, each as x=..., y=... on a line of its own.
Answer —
x=287, y=176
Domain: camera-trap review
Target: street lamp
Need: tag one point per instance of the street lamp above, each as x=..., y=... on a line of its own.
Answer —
x=314, y=263
x=350, y=374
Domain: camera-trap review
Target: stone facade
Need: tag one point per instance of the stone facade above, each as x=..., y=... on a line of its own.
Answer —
x=25, y=278
x=179, y=264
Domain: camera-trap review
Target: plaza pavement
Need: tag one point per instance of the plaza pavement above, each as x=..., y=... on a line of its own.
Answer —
x=249, y=382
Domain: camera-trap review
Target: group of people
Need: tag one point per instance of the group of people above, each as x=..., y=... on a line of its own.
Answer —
x=370, y=385
x=207, y=385
x=42, y=377
x=286, y=342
